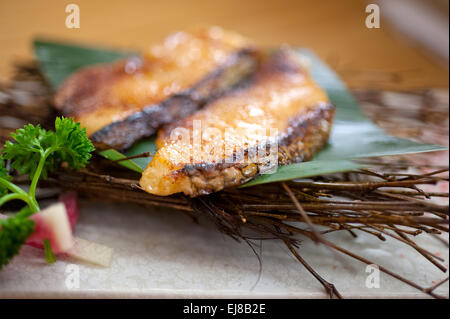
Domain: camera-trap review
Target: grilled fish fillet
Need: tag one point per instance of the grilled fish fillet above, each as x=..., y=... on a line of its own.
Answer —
x=122, y=102
x=280, y=98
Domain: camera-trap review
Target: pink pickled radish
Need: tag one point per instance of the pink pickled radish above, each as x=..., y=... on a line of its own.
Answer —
x=70, y=200
x=56, y=224
x=53, y=224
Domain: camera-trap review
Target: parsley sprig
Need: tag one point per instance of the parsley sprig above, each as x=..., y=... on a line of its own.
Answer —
x=14, y=232
x=35, y=152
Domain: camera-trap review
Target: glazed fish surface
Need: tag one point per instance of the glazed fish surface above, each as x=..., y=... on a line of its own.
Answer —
x=215, y=147
x=122, y=102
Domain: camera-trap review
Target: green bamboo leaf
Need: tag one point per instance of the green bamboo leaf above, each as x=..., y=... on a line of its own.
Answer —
x=114, y=155
x=57, y=60
x=306, y=169
x=353, y=134
x=147, y=145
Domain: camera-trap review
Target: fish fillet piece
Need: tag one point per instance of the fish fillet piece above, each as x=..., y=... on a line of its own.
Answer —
x=214, y=148
x=121, y=102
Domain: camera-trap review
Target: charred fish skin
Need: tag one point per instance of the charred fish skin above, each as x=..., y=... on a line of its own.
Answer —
x=281, y=94
x=309, y=134
x=122, y=134
x=121, y=102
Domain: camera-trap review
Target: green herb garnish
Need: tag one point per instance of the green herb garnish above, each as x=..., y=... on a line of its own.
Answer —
x=35, y=152
x=14, y=231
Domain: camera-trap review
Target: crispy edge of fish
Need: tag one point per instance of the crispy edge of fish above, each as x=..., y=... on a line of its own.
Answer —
x=122, y=134
x=83, y=83
x=306, y=133
x=309, y=133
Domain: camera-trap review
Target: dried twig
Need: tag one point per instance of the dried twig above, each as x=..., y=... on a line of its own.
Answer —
x=383, y=200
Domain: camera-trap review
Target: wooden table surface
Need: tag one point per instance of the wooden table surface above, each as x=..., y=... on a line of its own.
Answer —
x=335, y=30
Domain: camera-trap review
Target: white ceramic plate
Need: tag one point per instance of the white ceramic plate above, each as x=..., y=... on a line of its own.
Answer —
x=161, y=253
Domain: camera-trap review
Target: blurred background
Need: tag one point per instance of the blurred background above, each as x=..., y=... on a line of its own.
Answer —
x=408, y=51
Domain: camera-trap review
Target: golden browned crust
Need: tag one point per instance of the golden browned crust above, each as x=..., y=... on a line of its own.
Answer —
x=122, y=102
x=122, y=134
x=309, y=134
x=281, y=95
x=75, y=96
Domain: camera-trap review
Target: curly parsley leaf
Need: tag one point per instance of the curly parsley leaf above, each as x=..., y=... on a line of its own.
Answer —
x=36, y=151
x=14, y=231
x=3, y=174
x=34, y=144
x=74, y=147
x=30, y=143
